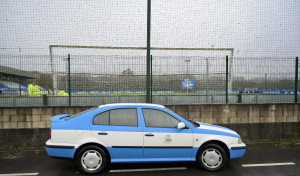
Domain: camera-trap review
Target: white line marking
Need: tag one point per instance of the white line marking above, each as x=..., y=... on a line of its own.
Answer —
x=151, y=169
x=268, y=164
x=19, y=174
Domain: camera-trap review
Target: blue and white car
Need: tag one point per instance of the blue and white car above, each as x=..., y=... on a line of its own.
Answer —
x=125, y=133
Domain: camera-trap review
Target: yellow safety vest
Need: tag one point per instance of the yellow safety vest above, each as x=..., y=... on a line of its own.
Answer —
x=33, y=90
x=62, y=93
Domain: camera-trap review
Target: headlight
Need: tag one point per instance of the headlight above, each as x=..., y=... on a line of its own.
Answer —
x=240, y=141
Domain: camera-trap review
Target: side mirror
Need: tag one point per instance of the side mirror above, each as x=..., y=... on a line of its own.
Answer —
x=181, y=125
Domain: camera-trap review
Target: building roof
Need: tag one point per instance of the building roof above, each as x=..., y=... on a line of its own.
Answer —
x=18, y=72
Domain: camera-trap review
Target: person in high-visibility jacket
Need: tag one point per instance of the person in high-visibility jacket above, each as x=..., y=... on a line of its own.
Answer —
x=33, y=90
x=62, y=93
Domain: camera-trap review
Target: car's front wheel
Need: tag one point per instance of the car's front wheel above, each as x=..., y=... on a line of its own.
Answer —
x=91, y=160
x=212, y=157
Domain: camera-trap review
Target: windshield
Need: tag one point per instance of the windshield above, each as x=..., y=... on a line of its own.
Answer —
x=78, y=114
x=195, y=124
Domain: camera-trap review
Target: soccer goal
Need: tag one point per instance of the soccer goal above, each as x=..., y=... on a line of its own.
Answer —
x=121, y=69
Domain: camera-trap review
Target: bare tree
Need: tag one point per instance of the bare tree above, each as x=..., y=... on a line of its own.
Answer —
x=128, y=71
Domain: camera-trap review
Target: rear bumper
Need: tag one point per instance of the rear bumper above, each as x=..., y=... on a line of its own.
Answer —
x=61, y=151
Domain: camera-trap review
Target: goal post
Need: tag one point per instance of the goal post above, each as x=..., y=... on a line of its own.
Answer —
x=55, y=74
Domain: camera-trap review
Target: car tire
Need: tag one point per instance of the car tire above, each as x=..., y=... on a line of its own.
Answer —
x=212, y=157
x=91, y=160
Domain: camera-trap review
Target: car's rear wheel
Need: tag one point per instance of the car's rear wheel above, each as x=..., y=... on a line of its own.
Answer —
x=91, y=160
x=212, y=157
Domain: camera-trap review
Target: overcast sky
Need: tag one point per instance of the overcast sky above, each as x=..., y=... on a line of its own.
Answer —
x=254, y=28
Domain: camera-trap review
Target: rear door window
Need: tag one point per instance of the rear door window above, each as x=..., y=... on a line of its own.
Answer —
x=117, y=117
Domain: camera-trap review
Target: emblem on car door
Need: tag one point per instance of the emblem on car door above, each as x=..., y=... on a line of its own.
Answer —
x=168, y=139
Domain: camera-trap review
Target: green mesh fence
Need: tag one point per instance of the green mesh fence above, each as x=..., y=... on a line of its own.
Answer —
x=102, y=79
x=107, y=43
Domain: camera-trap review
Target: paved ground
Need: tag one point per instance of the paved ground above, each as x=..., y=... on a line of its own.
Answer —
x=286, y=157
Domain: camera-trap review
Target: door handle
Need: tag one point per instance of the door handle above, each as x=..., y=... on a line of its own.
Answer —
x=102, y=133
x=149, y=134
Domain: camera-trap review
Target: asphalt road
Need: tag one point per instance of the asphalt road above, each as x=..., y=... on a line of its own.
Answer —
x=285, y=160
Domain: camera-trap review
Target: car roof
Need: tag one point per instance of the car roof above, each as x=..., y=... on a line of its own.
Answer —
x=131, y=104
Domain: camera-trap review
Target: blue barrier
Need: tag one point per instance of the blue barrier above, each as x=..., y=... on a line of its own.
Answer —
x=17, y=89
x=276, y=92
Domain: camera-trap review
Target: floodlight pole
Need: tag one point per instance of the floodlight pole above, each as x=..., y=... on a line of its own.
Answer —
x=148, y=86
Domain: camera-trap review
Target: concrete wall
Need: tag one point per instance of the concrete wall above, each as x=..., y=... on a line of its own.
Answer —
x=28, y=127
x=32, y=117
x=239, y=113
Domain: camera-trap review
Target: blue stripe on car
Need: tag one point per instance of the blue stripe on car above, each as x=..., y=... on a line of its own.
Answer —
x=152, y=154
x=215, y=132
x=61, y=152
x=135, y=153
x=206, y=124
x=125, y=153
x=236, y=153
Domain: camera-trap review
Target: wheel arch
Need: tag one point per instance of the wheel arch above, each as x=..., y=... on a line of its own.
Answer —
x=94, y=144
x=220, y=143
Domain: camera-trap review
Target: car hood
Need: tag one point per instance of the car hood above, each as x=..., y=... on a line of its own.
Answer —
x=206, y=128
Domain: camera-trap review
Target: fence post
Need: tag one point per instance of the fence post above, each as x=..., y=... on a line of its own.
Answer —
x=45, y=100
x=20, y=91
x=148, y=89
x=240, y=97
x=69, y=79
x=226, y=79
x=296, y=81
x=151, y=80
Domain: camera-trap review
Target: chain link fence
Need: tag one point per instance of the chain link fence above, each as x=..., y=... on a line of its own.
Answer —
x=107, y=42
x=102, y=79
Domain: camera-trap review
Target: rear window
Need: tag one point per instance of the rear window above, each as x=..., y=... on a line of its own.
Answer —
x=78, y=114
x=117, y=117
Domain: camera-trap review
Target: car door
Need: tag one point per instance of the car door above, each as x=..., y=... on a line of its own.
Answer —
x=120, y=131
x=163, y=141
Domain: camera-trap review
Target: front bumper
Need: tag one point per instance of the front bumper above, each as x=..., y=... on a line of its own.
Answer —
x=237, y=151
x=62, y=151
